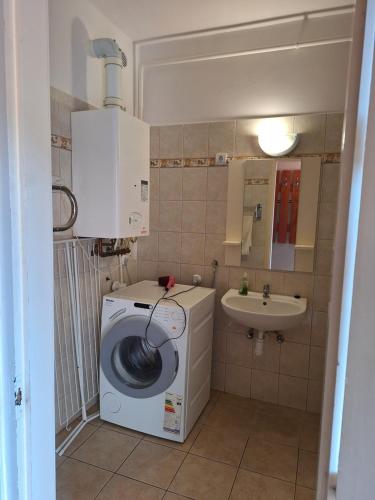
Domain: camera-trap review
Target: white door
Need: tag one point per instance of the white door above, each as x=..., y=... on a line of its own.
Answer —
x=27, y=462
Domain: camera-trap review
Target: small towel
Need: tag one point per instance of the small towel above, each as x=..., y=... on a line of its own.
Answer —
x=247, y=234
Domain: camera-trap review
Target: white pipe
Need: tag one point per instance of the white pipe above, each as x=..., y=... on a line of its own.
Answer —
x=115, y=60
x=259, y=343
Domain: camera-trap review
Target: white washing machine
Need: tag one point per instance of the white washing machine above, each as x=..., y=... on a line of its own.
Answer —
x=157, y=384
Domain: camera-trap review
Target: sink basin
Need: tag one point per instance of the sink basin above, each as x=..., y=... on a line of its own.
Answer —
x=279, y=312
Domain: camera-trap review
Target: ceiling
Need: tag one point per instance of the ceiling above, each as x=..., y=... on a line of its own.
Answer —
x=143, y=19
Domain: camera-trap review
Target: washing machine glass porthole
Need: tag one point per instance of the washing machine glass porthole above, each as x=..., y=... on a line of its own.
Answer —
x=136, y=363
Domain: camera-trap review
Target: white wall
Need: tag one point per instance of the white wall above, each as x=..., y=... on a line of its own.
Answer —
x=72, y=24
x=251, y=71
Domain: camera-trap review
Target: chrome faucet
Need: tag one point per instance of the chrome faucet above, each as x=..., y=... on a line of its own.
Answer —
x=266, y=291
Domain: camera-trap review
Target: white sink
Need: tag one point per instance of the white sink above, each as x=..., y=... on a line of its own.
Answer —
x=279, y=312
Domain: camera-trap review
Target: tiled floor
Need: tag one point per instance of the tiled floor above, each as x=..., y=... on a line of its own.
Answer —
x=240, y=449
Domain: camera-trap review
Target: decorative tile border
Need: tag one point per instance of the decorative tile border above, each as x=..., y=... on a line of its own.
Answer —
x=210, y=161
x=58, y=141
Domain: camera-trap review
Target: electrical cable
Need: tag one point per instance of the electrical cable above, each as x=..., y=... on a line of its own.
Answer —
x=170, y=298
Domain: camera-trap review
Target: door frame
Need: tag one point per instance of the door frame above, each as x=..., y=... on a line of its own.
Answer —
x=27, y=248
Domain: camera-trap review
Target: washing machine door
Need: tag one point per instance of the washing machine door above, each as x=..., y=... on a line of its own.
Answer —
x=134, y=365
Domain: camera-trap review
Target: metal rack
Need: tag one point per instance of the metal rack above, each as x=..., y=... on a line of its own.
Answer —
x=77, y=327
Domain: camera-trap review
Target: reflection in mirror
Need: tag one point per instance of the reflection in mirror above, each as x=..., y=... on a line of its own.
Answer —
x=280, y=213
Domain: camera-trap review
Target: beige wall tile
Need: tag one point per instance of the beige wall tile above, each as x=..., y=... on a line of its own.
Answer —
x=235, y=275
x=217, y=183
x=219, y=348
x=171, y=141
x=330, y=182
x=314, y=396
x=327, y=220
x=147, y=270
x=170, y=184
x=246, y=139
x=322, y=288
x=292, y=392
x=299, y=284
x=195, y=140
x=55, y=162
x=312, y=133
x=155, y=143
x=301, y=334
x=187, y=272
x=216, y=214
x=221, y=138
x=214, y=248
x=193, y=216
x=192, y=248
x=274, y=279
x=218, y=376
x=294, y=359
x=194, y=183
x=264, y=386
x=333, y=135
x=270, y=358
x=154, y=184
x=324, y=256
x=239, y=350
x=169, y=247
x=237, y=380
x=154, y=215
x=167, y=268
x=66, y=168
x=319, y=328
x=148, y=247
x=170, y=215
x=317, y=360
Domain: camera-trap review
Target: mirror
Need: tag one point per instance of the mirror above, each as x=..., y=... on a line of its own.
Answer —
x=272, y=213
x=279, y=217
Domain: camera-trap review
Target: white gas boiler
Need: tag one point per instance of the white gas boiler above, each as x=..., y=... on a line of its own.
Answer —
x=110, y=165
x=155, y=376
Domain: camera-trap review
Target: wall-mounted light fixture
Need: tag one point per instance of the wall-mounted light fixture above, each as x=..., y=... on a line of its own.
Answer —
x=277, y=143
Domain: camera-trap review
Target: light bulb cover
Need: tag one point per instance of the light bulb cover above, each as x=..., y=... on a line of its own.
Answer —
x=277, y=144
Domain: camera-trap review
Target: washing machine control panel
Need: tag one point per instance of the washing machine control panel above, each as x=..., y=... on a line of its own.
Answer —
x=171, y=318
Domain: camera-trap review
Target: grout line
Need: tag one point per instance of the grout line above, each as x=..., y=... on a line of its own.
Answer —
x=104, y=485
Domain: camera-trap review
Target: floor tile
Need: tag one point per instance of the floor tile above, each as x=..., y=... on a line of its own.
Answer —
x=172, y=496
x=310, y=432
x=271, y=459
x=205, y=415
x=60, y=460
x=106, y=449
x=227, y=399
x=224, y=446
x=307, y=465
x=280, y=430
x=123, y=488
x=85, y=433
x=227, y=418
x=153, y=464
x=252, y=486
x=121, y=430
x=185, y=446
x=203, y=479
x=79, y=481
x=304, y=493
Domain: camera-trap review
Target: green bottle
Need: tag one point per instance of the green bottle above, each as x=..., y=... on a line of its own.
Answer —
x=244, y=285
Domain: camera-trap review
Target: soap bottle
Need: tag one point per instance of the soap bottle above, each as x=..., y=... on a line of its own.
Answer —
x=244, y=285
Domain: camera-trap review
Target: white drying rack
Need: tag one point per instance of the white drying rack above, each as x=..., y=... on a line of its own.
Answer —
x=77, y=328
